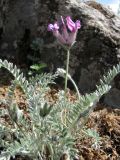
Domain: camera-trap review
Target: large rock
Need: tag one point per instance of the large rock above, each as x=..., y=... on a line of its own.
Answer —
x=112, y=98
x=98, y=42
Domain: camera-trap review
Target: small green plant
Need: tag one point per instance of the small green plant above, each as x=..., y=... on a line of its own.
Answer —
x=96, y=138
x=51, y=130
x=37, y=68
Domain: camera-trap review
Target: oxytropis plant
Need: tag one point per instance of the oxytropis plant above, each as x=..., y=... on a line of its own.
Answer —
x=50, y=130
x=66, y=35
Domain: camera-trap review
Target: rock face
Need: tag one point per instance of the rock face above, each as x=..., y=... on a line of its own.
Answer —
x=113, y=98
x=98, y=42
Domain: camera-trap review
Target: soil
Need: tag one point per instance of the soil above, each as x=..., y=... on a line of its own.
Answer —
x=105, y=120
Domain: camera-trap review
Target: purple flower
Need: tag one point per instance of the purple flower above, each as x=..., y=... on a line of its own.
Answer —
x=65, y=31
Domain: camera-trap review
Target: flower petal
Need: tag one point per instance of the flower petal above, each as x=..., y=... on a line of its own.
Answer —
x=62, y=20
x=56, y=27
x=70, y=24
x=72, y=38
x=50, y=27
x=64, y=30
x=59, y=37
x=77, y=24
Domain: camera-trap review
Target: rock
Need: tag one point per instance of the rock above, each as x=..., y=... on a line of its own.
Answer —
x=112, y=98
x=98, y=41
x=4, y=46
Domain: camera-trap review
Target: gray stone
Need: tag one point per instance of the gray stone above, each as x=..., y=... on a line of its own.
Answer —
x=98, y=41
x=4, y=46
x=112, y=98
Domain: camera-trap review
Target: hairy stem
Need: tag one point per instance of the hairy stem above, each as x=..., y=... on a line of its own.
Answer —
x=76, y=88
x=67, y=68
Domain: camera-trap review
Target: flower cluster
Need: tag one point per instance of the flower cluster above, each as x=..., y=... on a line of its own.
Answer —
x=65, y=31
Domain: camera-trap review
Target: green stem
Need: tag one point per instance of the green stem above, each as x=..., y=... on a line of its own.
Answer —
x=67, y=68
x=76, y=88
